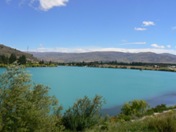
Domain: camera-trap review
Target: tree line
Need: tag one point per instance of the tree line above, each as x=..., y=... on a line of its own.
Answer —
x=13, y=58
x=115, y=63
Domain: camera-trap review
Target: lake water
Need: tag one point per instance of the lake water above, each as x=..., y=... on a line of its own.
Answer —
x=117, y=86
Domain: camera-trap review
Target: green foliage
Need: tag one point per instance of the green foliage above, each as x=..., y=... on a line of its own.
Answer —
x=12, y=58
x=127, y=126
x=160, y=108
x=24, y=106
x=22, y=60
x=3, y=59
x=134, y=108
x=41, y=62
x=163, y=123
x=122, y=117
x=137, y=126
x=83, y=114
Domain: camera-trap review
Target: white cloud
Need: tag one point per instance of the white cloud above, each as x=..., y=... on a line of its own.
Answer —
x=41, y=4
x=139, y=29
x=136, y=43
x=148, y=23
x=144, y=24
x=48, y=4
x=158, y=46
x=168, y=46
x=83, y=50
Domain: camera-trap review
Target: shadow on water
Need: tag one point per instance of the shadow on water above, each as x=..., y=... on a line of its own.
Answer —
x=112, y=111
x=169, y=99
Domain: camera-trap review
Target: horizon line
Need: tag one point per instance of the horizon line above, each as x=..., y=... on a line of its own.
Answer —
x=88, y=50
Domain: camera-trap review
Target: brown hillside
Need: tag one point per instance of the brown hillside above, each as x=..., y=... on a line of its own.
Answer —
x=7, y=51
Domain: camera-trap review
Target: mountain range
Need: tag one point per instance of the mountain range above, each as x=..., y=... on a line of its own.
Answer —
x=146, y=57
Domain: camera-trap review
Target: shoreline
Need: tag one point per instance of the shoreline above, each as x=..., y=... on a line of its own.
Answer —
x=169, y=99
x=141, y=68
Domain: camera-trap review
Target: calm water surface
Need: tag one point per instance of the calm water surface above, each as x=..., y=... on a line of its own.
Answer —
x=117, y=86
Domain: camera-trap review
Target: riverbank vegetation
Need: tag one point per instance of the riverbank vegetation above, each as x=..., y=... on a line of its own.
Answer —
x=25, y=106
x=5, y=61
x=121, y=65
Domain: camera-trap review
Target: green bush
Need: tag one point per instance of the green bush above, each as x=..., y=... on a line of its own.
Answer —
x=160, y=108
x=135, y=108
x=83, y=114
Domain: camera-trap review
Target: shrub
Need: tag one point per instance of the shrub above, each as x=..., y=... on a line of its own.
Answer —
x=160, y=108
x=83, y=114
x=134, y=108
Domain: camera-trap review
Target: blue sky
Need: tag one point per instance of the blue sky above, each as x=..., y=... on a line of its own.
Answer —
x=89, y=25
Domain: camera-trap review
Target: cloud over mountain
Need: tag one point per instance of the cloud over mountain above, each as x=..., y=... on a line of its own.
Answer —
x=158, y=46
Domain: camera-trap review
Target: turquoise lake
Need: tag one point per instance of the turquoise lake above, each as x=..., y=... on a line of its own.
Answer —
x=117, y=86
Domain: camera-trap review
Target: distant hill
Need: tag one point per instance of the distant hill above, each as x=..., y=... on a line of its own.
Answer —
x=147, y=57
x=7, y=51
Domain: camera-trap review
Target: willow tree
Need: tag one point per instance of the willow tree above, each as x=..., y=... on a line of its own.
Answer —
x=25, y=106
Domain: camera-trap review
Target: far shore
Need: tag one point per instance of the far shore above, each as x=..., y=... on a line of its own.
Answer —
x=137, y=66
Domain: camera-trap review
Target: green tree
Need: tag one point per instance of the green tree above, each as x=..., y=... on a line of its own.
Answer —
x=83, y=114
x=22, y=60
x=3, y=59
x=41, y=62
x=134, y=108
x=24, y=106
x=12, y=58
